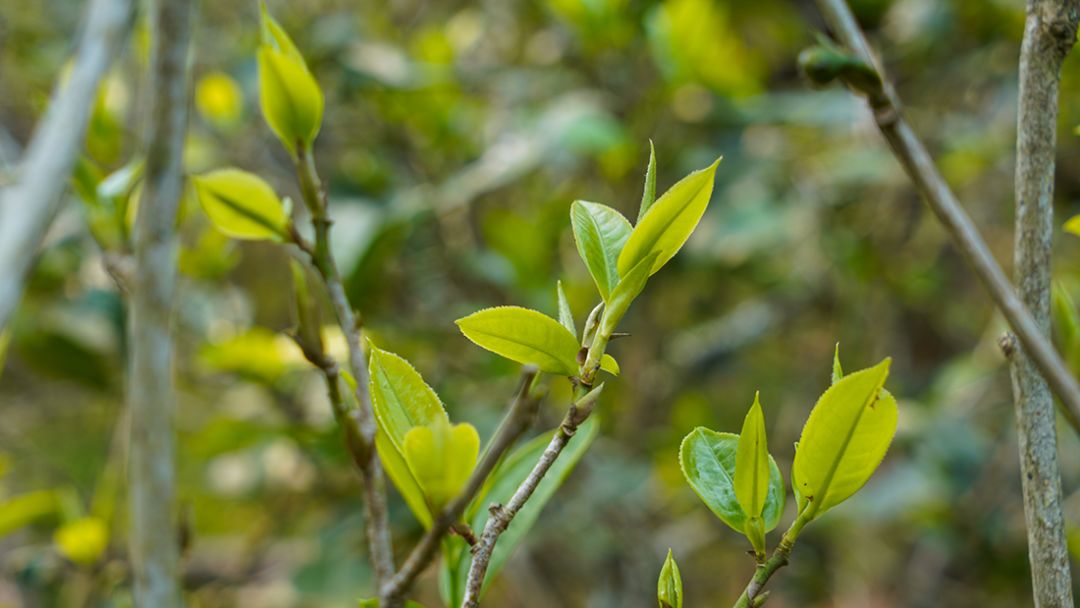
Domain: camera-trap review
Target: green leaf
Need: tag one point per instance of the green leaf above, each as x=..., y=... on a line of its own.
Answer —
x=525, y=336
x=291, y=100
x=400, y=397
x=648, y=195
x=566, y=316
x=25, y=509
x=669, y=590
x=752, y=463
x=83, y=540
x=609, y=364
x=844, y=440
x=506, y=479
x=242, y=205
x=441, y=457
x=1072, y=225
x=624, y=294
x=401, y=476
x=273, y=35
x=600, y=233
x=708, y=463
x=670, y=221
x=837, y=371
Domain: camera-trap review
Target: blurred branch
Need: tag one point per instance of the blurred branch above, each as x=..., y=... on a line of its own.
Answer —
x=376, y=515
x=919, y=166
x=152, y=399
x=28, y=207
x=1049, y=35
x=514, y=424
x=501, y=516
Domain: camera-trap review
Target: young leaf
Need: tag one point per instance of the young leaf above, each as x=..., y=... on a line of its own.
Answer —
x=624, y=294
x=506, y=479
x=400, y=397
x=273, y=35
x=600, y=233
x=844, y=440
x=525, y=336
x=708, y=464
x=670, y=221
x=669, y=593
x=84, y=540
x=837, y=371
x=566, y=316
x=648, y=195
x=441, y=457
x=241, y=205
x=609, y=364
x=402, y=477
x=752, y=463
x=291, y=100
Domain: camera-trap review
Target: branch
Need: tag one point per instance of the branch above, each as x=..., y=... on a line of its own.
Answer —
x=501, y=516
x=754, y=595
x=911, y=153
x=155, y=555
x=29, y=206
x=376, y=514
x=514, y=424
x=1049, y=34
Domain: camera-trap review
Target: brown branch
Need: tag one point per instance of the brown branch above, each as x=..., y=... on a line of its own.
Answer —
x=919, y=166
x=155, y=556
x=517, y=420
x=28, y=207
x=1049, y=34
x=501, y=516
x=376, y=513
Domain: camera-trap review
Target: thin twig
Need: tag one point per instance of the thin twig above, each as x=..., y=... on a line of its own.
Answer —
x=919, y=166
x=155, y=555
x=501, y=516
x=1049, y=34
x=754, y=595
x=28, y=207
x=517, y=420
x=375, y=507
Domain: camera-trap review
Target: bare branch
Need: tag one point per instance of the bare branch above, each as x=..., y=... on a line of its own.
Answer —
x=376, y=514
x=28, y=207
x=1049, y=34
x=501, y=516
x=151, y=392
x=916, y=161
x=517, y=421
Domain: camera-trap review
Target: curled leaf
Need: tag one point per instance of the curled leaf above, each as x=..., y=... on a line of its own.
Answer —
x=669, y=588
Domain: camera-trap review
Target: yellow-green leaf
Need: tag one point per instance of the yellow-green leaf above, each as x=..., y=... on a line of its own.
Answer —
x=669, y=588
x=441, y=457
x=566, y=316
x=600, y=233
x=83, y=541
x=275, y=36
x=669, y=221
x=648, y=194
x=844, y=440
x=525, y=336
x=1072, y=225
x=609, y=364
x=242, y=205
x=624, y=294
x=400, y=397
x=837, y=370
x=752, y=463
x=398, y=471
x=291, y=100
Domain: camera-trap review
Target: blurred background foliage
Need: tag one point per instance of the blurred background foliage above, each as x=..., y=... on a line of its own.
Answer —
x=456, y=136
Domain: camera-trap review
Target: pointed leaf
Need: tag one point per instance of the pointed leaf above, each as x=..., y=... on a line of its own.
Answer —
x=242, y=205
x=669, y=589
x=566, y=316
x=400, y=397
x=291, y=100
x=837, y=370
x=844, y=440
x=708, y=463
x=670, y=221
x=752, y=463
x=525, y=336
x=441, y=457
x=624, y=294
x=648, y=195
x=600, y=233
x=275, y=36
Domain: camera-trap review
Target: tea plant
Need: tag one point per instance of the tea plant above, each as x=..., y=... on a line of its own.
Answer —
x=844, y=440
x=393, y=421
